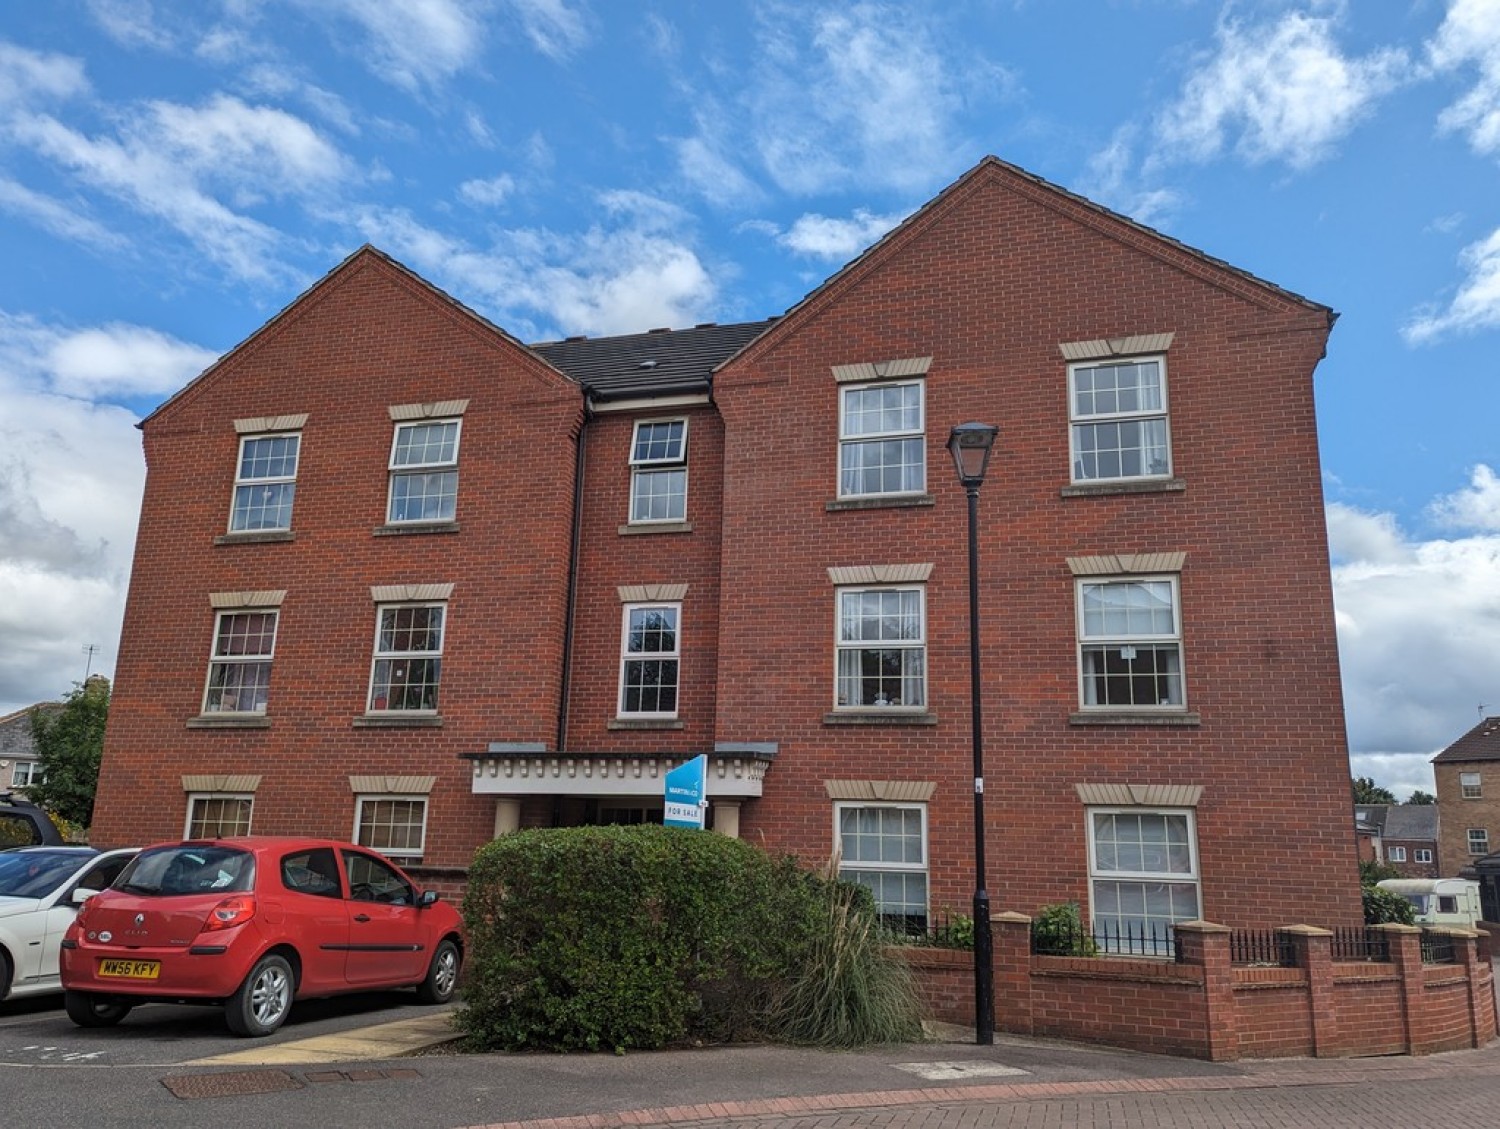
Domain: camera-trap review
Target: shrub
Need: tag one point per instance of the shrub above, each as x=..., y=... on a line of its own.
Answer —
x=1058, y=931
x=621, y=938
x=1382, y=907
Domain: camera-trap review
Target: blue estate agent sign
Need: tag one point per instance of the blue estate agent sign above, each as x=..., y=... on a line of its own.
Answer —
x=687, y=794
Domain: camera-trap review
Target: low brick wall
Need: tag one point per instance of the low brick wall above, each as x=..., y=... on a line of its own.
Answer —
x=1204, y=1007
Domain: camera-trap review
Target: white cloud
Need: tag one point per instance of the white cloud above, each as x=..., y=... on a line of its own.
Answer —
x=71, y=475
x=1419, y=633
x=131, y=23
x=828, y=237
x=632, y=273
x=417, y=42
x=1477, y=507
x=1354, y=535
x=56, y=217
x=1470, y=35
x=111, y=361
x=1110, y=180
x=489, y=193
x=28, y=76
x=858, y=93
x=555, y=29
x=1277, y=92
x=1475, y=306
x=714, y=173
x=175, y=162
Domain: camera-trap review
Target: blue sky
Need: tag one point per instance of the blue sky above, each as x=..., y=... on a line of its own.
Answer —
x=174, y=172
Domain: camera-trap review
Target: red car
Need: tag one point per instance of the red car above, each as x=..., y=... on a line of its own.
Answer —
x=253, y=924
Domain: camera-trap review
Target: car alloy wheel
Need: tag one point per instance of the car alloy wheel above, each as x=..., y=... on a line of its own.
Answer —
x=261, y=1004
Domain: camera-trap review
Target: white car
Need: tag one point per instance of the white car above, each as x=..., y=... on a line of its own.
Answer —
x=40, y=891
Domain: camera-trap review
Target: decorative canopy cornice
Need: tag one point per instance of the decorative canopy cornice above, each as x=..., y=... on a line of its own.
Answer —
x=511, y=770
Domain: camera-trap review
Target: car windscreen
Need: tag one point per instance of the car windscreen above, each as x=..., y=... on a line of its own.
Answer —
x=197, y=868
x=35, y=874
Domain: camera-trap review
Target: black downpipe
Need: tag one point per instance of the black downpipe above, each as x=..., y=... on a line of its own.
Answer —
x=580, y=463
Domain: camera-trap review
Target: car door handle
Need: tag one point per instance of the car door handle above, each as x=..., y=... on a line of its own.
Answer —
x=361, y=917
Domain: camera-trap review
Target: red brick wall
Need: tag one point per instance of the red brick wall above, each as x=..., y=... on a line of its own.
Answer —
x=609, y=559
x=988, y=282
x=367, y=338
x=1371, y=1008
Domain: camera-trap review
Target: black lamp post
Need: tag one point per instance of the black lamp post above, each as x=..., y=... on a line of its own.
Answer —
x=970, y=445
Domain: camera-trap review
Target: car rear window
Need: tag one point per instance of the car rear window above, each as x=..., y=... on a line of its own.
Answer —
x=190, y=869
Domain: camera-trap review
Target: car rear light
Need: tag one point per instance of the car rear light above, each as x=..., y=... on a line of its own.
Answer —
x=229, y=913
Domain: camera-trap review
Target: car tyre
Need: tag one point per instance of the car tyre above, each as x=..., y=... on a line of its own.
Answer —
x=442, y=975
x=262, y=1002
x=88, y=1009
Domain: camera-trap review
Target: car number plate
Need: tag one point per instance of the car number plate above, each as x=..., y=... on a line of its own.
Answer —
x=131, y=969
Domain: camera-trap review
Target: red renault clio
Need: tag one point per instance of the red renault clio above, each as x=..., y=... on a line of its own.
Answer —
x=252, y=924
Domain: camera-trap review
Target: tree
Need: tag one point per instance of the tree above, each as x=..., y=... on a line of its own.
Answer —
x=69, y=742
x=1421, y=799
x=1366, y=791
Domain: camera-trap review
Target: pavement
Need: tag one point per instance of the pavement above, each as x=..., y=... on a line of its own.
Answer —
x=947, y=1083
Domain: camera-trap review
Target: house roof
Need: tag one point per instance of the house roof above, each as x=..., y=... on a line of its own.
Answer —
x=1371, y=816
x=658, y=363
x=1411, y=821
x=16, y=741
x=1482, y=743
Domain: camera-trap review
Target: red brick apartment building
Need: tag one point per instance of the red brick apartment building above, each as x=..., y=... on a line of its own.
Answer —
x=403, y=578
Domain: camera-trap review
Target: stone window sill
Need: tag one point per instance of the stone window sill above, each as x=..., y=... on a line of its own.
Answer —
x=880, y=717
x=644, y=723
x=398, y=721
x=894, y=502
x=255, y=537
x=656, y=527
x=403, y=529
x=214, y=721
x=1121, y=717
x=1145, y=486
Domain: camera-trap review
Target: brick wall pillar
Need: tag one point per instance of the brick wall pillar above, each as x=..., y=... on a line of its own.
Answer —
x=1314, y=952
x=1206, y=946
x=1012, y=965
x=1406, y=954
x=1488, y=931
x=1472, y=950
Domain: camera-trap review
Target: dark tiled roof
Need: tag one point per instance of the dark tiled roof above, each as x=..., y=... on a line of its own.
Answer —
x=1482, y=743
x=1411, y=821
x=659, y=363
x=1372, y=816
x=15, y=735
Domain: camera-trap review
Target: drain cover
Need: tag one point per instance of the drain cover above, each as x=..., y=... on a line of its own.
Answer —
x=230, y=1085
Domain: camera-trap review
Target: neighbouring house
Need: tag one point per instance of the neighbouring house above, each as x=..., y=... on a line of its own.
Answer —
x=1468, y=794
x=401, y=577
x=19, y=765
x=1403, y=836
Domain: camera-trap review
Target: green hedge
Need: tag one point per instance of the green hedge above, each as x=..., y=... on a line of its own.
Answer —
x=616, y=938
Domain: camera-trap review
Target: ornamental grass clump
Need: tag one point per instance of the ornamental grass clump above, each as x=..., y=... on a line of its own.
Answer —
x=850, y=990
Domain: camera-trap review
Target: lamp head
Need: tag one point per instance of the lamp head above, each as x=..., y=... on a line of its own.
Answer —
x=970, y=445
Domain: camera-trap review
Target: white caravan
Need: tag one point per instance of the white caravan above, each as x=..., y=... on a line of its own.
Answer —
x=1439, y=901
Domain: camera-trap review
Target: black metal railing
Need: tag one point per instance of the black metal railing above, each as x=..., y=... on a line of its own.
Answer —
x=1438, y=948
x=1057, y=938
x=1360, y=942
x=1262, y=947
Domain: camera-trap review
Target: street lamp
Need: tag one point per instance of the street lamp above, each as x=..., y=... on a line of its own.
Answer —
x=970, y=445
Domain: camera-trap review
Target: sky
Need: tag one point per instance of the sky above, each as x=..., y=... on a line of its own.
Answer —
x=175, y=172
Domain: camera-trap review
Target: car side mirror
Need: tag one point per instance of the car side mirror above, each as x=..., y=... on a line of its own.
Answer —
x=81, y=894
x=427, y=898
